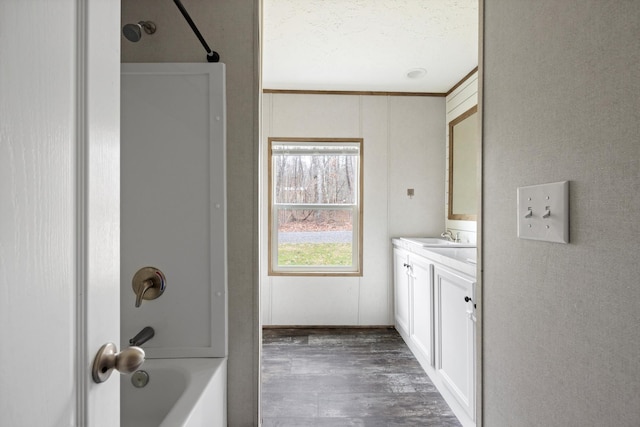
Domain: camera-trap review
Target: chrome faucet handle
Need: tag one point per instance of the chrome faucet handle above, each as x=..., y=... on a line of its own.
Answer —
x=148, y=283
x=107, y=359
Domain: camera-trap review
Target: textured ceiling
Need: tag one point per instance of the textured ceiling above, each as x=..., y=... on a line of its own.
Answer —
x=368, y=45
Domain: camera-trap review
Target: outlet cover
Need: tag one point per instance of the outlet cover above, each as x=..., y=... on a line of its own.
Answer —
x=543, y=212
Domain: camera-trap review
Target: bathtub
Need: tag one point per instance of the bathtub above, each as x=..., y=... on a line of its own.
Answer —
x=180, y=393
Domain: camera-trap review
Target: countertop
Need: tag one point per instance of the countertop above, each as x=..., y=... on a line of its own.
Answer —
x=460, y=259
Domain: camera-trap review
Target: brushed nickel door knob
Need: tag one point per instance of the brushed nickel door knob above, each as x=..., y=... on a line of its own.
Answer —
x=107, y=359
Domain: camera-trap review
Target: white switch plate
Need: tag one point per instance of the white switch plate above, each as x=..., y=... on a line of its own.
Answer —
x=543, y=212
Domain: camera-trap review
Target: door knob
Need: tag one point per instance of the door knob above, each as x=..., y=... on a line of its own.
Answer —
x=148, y=283
x=107, y=359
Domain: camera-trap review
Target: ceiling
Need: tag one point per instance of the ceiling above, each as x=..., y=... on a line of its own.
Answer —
x=368, y=45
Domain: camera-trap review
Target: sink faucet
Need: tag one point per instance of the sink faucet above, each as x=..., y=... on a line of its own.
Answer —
x=143, y=336
x=449, y=236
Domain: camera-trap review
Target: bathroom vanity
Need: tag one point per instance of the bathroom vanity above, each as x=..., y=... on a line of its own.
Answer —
x=435, y=315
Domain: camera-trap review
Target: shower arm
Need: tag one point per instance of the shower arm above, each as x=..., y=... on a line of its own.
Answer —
x=212, y=56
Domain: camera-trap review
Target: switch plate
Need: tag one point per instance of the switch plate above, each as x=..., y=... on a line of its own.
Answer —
x=543, y=212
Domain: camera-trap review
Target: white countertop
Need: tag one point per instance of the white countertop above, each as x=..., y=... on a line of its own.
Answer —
x=461, y=259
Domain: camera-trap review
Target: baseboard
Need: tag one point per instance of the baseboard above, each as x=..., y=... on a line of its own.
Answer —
x=328, y=327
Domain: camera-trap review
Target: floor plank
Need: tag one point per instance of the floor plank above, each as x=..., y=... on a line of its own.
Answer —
x=346, y=377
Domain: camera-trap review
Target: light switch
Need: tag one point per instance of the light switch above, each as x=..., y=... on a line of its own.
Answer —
x=543, y=212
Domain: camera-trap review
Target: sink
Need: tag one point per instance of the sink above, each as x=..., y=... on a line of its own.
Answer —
x=437, y=242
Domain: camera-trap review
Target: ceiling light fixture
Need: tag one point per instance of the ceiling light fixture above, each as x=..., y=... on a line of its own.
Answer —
x=416, y=73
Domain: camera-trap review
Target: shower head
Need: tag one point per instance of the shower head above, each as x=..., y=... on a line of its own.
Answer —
x=133, y=32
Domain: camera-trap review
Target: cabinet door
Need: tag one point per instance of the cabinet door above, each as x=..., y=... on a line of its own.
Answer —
x=422, y=306
x=401, y=286
x=455, y=335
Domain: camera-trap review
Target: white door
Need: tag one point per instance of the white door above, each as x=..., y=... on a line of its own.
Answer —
x=59, y=210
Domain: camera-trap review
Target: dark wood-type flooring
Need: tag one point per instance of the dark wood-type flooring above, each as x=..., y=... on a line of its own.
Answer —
x=346, y=377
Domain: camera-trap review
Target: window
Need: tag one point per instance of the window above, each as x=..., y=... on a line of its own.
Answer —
x=315, y=206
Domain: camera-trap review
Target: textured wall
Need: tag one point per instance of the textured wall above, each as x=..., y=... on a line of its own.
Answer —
x=230, y=28
x=561, y=102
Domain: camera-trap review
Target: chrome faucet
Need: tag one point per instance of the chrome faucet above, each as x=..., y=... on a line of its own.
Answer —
x=143, y=336
x=449, y=236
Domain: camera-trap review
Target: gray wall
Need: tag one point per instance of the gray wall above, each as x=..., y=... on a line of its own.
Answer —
x=561, y=322
x=230, y=28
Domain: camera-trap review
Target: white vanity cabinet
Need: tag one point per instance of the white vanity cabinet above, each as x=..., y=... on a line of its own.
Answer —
x=401, y=278
x=455, y=334
x=435, y=315
x=421, y=291
x=414, y=302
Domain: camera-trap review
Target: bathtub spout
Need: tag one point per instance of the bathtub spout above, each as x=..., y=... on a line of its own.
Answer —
x=143, y=336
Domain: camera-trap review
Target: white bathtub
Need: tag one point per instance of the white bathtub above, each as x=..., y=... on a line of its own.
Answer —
x=180, y=393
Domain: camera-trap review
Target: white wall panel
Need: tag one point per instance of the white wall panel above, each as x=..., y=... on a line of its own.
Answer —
x=403, y=144
x=416, y=155
x=375, y=295
x=315, y=116
x=462, y=98
x=315, y=301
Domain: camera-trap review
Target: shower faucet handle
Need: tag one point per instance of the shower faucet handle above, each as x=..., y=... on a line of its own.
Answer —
x=148, y=283
x=143, y=336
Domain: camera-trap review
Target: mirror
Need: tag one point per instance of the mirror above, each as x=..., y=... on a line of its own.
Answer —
x=463, y=148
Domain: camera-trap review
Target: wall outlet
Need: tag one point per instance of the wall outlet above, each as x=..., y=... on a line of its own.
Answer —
x=543, y=212
x=410, y=192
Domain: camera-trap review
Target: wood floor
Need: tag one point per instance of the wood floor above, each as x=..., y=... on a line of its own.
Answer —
x=346, y=377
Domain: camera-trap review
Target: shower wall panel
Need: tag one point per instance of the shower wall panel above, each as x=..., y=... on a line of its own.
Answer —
x=173, y=205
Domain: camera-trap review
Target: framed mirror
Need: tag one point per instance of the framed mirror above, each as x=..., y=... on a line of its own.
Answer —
x=463, y=149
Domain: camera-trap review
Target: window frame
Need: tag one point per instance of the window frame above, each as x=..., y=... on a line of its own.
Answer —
x=356, y=268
